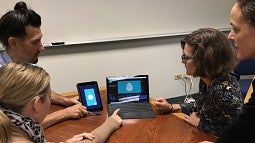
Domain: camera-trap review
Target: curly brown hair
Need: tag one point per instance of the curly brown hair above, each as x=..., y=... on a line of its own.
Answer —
x=212, y=54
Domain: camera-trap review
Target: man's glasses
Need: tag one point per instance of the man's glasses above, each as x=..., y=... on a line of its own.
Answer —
x=185, y=58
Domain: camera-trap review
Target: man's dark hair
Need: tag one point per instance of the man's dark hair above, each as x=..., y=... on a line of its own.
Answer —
x=14, y=22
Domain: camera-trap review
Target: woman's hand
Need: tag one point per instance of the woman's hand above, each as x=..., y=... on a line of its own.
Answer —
x=162, y=103
x=81, y=137
x=116, y=117
x=193, y=119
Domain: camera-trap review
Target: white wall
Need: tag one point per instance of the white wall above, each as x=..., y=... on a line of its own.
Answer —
x=157, y=57
x=97, y=20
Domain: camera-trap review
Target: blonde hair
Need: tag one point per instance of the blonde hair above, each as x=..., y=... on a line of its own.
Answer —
x=5, y=128
x=20, y=83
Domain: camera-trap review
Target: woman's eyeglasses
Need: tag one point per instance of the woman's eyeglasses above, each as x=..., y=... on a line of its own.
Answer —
x=183, y=42
x=185, y=58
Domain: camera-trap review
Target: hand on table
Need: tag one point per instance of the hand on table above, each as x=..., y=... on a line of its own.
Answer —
x=73, y=101
x=76, y=111
x=193, y=119
x=81, y=137
x=162, y=103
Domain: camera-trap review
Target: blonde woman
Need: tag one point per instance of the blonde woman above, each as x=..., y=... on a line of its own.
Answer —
x=5, y=128
x=25, y=95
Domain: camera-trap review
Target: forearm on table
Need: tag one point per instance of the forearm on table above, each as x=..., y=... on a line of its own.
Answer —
x=53, y=118
x=104, y=131
x=58, y=99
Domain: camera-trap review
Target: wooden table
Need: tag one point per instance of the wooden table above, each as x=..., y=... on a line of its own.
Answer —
x=165, y=128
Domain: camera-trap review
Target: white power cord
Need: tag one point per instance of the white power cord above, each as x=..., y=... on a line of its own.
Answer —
x=188, y=98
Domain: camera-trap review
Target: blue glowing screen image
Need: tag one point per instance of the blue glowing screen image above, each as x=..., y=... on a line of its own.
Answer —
x=90, y=97
x=132, y=86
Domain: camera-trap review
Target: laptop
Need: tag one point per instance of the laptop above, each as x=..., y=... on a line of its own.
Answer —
x=131, y=95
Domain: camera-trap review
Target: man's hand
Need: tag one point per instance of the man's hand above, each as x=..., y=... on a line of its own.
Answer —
x=75, y=111
x=72, y=112
x=72, y=101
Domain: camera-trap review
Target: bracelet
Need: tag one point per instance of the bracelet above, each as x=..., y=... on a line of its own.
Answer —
x=171, y=106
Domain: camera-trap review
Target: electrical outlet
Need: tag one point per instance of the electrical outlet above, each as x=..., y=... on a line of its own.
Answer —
x=181, y=76
x=178, y=76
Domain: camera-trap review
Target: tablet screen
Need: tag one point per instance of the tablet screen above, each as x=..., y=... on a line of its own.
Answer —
x=89, y=95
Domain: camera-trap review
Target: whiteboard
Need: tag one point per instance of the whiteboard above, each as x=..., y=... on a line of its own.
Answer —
x=85, y=21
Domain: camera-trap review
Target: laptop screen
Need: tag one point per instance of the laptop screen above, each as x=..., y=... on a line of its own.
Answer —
x=127, y=89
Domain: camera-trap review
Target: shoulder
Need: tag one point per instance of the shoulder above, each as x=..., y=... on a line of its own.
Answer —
x=227, y=88
x=227, y=84
x=19, y=136
x=4, y=58
x=226, y=80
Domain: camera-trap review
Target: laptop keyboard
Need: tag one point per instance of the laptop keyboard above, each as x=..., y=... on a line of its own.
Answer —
x=130, y=107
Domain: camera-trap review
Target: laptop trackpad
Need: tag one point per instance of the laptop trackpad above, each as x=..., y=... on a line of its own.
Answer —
x=136, y=115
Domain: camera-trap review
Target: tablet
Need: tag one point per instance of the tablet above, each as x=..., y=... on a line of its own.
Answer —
x=89, y=95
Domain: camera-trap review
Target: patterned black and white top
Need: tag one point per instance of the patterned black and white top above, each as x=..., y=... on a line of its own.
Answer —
x=218, y=105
